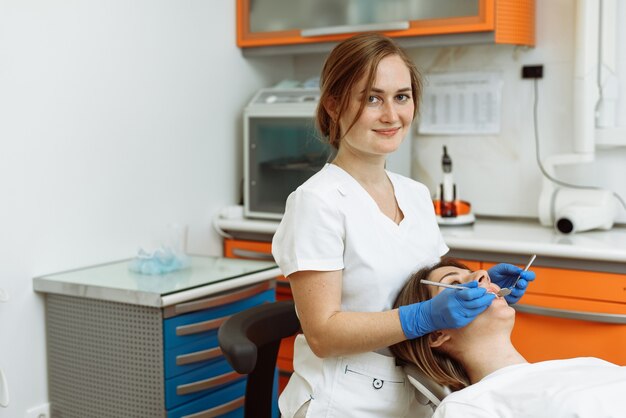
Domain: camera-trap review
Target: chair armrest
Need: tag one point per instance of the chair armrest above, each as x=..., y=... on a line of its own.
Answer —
x=241, y=335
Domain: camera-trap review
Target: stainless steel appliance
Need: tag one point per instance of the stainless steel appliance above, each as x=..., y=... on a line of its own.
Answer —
x=282, y=149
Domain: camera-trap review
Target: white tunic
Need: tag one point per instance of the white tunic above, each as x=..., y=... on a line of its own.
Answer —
x=331, y=223
x=580, y=387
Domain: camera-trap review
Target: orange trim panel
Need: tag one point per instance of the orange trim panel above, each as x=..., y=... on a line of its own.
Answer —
x=515, y=22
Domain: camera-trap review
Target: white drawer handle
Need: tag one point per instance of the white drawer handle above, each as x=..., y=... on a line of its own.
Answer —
x=370, y=27
x=239, y=252
x=198, y=356
x=207, y=383
x=219, y=410
x=567, y=314
x=206, y=303
x=200, y=326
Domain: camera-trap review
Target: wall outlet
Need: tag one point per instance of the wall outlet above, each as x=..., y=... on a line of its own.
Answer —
x=41, y=411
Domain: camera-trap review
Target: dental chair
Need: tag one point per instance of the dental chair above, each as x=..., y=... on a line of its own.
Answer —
x=428, y=391
x=250, y=339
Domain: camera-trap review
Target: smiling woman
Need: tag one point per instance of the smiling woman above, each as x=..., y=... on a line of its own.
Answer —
x=489, y=377
x=350, y=237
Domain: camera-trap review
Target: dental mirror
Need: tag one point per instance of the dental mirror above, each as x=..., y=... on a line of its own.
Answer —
x=505, y=291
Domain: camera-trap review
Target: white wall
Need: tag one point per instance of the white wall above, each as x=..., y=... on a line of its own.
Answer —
x=498, y=173
x=116, y=119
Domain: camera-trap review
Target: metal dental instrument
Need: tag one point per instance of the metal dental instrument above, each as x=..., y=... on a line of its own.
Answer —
x=449, y=286
x=505, y=291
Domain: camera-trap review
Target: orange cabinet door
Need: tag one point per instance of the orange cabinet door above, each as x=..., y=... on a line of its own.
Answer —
x=509, y=21
x=572, y=313
x=236, y=248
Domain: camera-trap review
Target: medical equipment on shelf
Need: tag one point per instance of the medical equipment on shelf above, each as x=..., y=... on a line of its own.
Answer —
x=576, y=210
x=450, y=210
x=507, y=290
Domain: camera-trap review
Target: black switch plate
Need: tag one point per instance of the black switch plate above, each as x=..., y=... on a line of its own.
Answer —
x=532, y=71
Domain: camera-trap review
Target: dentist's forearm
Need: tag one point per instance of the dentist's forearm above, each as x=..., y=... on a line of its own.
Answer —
x=346, y=333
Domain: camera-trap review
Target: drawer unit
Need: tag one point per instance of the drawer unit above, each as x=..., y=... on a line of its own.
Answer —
x=194, y=366
x=110, y=359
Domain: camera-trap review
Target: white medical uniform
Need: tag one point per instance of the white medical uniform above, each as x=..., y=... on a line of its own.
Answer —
x=331, y=223
x=580, y=387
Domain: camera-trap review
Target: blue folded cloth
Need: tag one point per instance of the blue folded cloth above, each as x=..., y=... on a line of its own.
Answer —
x=161, y=261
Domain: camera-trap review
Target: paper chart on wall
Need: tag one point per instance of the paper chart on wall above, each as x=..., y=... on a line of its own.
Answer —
x=466, y=103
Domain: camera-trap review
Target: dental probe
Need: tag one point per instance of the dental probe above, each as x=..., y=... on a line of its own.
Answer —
x=449, y=286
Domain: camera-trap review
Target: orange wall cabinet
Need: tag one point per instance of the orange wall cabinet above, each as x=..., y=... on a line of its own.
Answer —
x=263, y=23
x=572, y=313
x=236, y=248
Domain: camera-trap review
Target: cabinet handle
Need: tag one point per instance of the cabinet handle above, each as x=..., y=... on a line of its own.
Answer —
x=198, y=356
x=239, y=252
x=200, y=326
x=369, y=27
x=207, y=383
x=219, y=410
x=198, y=305
x=567, y=314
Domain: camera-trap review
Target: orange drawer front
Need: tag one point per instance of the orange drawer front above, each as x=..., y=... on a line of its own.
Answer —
x=283, y=379
x=285, y=361
x=283, y=291
x=235, y=248
x=589, y=285
x=566, y=329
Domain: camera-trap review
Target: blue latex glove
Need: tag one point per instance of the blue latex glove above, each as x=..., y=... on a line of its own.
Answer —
x=504, y=275
x=451, y=308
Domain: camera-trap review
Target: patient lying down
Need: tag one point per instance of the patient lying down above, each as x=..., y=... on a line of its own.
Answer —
x=487, y=374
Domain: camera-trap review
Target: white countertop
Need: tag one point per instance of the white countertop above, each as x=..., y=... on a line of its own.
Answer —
x=508, y=236
x=528, y=237
x=115, y=282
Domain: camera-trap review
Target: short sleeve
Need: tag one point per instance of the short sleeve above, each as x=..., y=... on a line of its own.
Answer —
x=310, y=235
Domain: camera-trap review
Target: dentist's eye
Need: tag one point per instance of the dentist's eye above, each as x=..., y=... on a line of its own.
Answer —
x=403, y=98
x=373, y=100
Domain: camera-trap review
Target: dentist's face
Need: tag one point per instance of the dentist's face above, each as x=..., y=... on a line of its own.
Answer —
x=388, y=112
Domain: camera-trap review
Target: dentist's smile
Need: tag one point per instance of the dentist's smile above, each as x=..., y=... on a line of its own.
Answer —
x=387, y=132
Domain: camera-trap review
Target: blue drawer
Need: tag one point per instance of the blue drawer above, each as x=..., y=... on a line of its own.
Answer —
x=199, y=382
x=189, y=357
x=227, y=402
x=193, y=327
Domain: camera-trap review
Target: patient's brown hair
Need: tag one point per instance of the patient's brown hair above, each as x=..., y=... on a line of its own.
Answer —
x=433, y=362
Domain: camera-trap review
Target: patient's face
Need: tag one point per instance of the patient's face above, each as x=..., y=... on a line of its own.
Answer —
x=455, y=275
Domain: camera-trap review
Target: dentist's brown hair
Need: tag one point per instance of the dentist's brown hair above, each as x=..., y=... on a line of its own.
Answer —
x=433, y=362
x=345, y=66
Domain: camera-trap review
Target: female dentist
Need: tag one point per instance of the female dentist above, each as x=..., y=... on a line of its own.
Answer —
x=352, y=235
